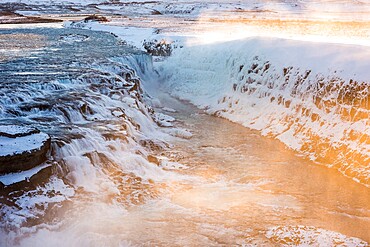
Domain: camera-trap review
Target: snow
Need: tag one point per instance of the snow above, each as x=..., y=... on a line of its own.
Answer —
x=18, y=145
x=313, y=9
x=51, y=2
x=99, y=121
x=27, y=205
x=14, y=130
x=215, y=57
x=13, y=178
x=163, y=119
x=132, y=35
x=33, y=26
x=178, y=132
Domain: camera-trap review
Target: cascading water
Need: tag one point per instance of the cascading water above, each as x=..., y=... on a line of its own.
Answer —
x=82, y=88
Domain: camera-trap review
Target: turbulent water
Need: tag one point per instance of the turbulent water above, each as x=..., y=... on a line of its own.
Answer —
x=127, y=174
x=82, y=88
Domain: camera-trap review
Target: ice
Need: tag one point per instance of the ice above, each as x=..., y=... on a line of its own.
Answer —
x=170, y=165
x=73, y=38
x=87, y=95
x=241, y=77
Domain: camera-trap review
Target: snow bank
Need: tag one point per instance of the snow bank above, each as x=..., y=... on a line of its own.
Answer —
x=313, y=97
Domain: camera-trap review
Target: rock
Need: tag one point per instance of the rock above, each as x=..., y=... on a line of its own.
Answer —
x=96, y=18
x=153, y=159
x=156, y=12
x=26, y=180
x=158, y=48
x=22, y=148
x=153, y=145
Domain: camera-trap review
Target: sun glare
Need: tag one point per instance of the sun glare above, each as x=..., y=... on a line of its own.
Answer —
x=316, y=27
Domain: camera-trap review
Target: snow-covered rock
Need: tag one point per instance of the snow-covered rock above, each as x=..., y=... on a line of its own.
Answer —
x=181, y=133
x=22, y=148
x=158, y=47
x=163, y=119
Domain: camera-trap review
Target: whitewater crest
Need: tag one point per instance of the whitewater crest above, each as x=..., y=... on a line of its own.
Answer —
x=317, y=104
